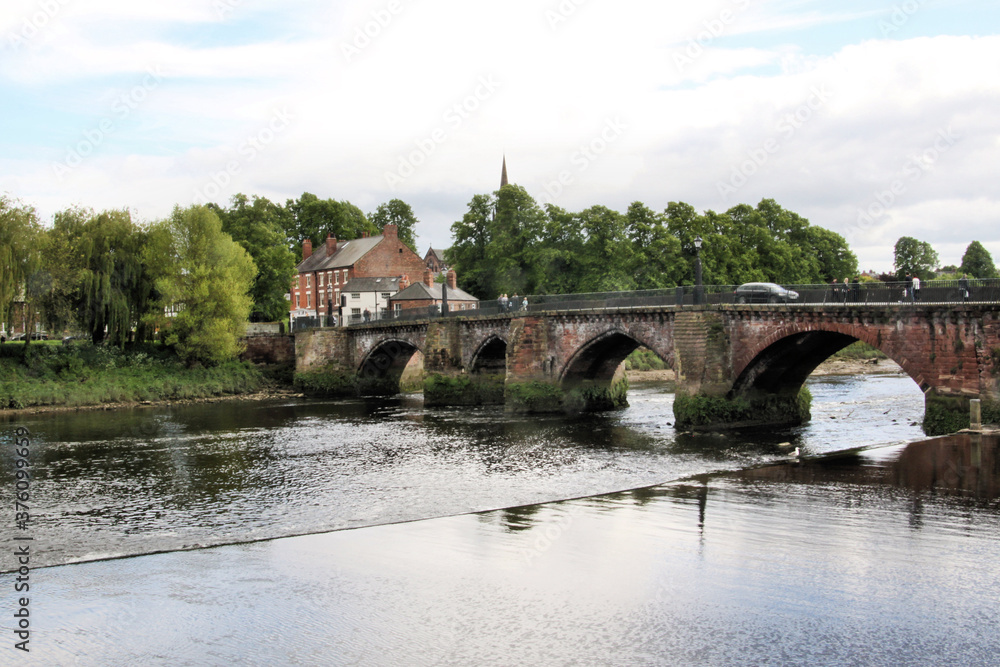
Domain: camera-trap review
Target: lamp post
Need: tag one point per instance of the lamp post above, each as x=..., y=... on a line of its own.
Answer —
x=697, y=270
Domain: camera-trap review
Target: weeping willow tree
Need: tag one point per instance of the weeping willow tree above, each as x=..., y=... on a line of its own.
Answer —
x=114, y=287
x=19, y=259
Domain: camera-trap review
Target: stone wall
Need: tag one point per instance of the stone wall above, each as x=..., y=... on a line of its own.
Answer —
x=269, y=349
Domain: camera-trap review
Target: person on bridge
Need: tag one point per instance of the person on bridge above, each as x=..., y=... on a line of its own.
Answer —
x=908, y=290
x=916, y=288
x=963, y=287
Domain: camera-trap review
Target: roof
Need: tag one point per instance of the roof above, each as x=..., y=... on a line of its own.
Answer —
x=438, y=254
x=347, y=255
x=372, y=285
x=421, y=292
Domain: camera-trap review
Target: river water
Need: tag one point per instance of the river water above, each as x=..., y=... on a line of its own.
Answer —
x=737, y=556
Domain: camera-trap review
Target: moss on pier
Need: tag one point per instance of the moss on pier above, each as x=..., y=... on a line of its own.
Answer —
x=699, y=412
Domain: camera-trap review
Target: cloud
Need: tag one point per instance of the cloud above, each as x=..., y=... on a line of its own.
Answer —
x=371, y=85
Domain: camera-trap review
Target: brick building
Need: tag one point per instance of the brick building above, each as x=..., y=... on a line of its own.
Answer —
x=323, y=274
x=434, y=259
x=430, y=295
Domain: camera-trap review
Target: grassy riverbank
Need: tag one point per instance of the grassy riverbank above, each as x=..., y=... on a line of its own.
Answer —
x=42, y=375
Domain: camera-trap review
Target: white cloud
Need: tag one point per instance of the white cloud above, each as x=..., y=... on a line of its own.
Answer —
x=555, y=86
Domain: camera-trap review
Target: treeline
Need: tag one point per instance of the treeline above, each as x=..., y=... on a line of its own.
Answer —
x=192, y=280
x=506, y=242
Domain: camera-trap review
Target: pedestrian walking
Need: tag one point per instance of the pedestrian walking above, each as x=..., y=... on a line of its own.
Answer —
x=847, y=289
x=963, y=287
x=514, y=301
x=524, y=304
x=908, y=290
x=916, y=288
x=503, y=302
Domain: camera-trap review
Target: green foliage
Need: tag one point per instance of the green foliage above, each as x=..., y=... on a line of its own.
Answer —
x=260, y=227
x=594, y=396
x=915, y=258
x=977, y=262
x=80, y=375
x=397, y=212
x=533, y=396
x=205, y=277
x=644, y=359
x=331, y=381
x=20, y=259
x=314, y=218
x=719, y=411
x=990, y=411
x=860, y=350
x=945, y=414
x=463, y=389
x=504, y=243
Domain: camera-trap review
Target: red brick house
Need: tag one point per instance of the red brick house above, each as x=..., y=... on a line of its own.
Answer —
x=324, y=273
x=429, y=294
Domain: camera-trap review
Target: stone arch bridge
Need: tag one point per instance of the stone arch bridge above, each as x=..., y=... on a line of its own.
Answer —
x=735, y=364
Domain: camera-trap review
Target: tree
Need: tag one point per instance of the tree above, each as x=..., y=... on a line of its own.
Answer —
x=315, y=219
x=468, y=252
x=656, y=258
x=113, y=288
x=977, y=262
x=607, y=253
x=397, y=212
x=20, y=259
x=204, y=278
x=915, y=258
x=259, y=226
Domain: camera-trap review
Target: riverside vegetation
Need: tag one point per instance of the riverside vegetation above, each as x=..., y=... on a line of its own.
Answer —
x=46, y=375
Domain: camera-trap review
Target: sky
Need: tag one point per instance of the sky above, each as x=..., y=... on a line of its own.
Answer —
x=875, y=120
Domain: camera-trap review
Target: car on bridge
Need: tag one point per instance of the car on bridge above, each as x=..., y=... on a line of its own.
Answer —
x=764, y=293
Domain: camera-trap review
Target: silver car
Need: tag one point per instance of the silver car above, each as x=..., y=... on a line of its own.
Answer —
x=764, y=293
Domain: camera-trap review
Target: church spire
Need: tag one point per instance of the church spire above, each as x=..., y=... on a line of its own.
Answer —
x=503, y=173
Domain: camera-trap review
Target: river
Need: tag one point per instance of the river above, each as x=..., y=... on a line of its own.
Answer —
x=737, y=555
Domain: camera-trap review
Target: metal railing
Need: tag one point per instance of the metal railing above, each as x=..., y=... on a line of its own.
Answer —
x=853, y=294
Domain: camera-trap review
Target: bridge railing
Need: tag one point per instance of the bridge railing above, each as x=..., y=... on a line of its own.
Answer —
x=868, y=293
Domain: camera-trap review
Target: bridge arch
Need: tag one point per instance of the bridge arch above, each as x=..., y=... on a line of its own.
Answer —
x=490, y=358
x=594, y=373
x=382, y=367
x=780, y=363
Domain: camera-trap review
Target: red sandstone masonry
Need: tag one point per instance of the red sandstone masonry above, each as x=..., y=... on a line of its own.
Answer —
x=947, y=349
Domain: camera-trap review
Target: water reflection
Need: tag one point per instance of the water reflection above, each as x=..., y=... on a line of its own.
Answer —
x=810, y=562
x=169, y=477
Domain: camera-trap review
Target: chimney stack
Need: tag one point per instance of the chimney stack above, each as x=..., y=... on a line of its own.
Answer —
x=452, y=280
x=390, y=231
x=307, y=249
x=429, y=278
x=331, y=244
x=404, y=282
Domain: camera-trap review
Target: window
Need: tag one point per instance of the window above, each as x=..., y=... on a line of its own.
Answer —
x=309, y=281
x=385, y=296
x=296, y=300
x=321, y=280
x=345, y=275
x=356, y=312
x=309, y=300
x=397, y=307
x=336, y=277
x=355, y=295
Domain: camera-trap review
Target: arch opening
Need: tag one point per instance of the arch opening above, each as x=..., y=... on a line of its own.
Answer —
x=782, y=368
x=381, y=370
x=594, y=379
x=491, y=358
